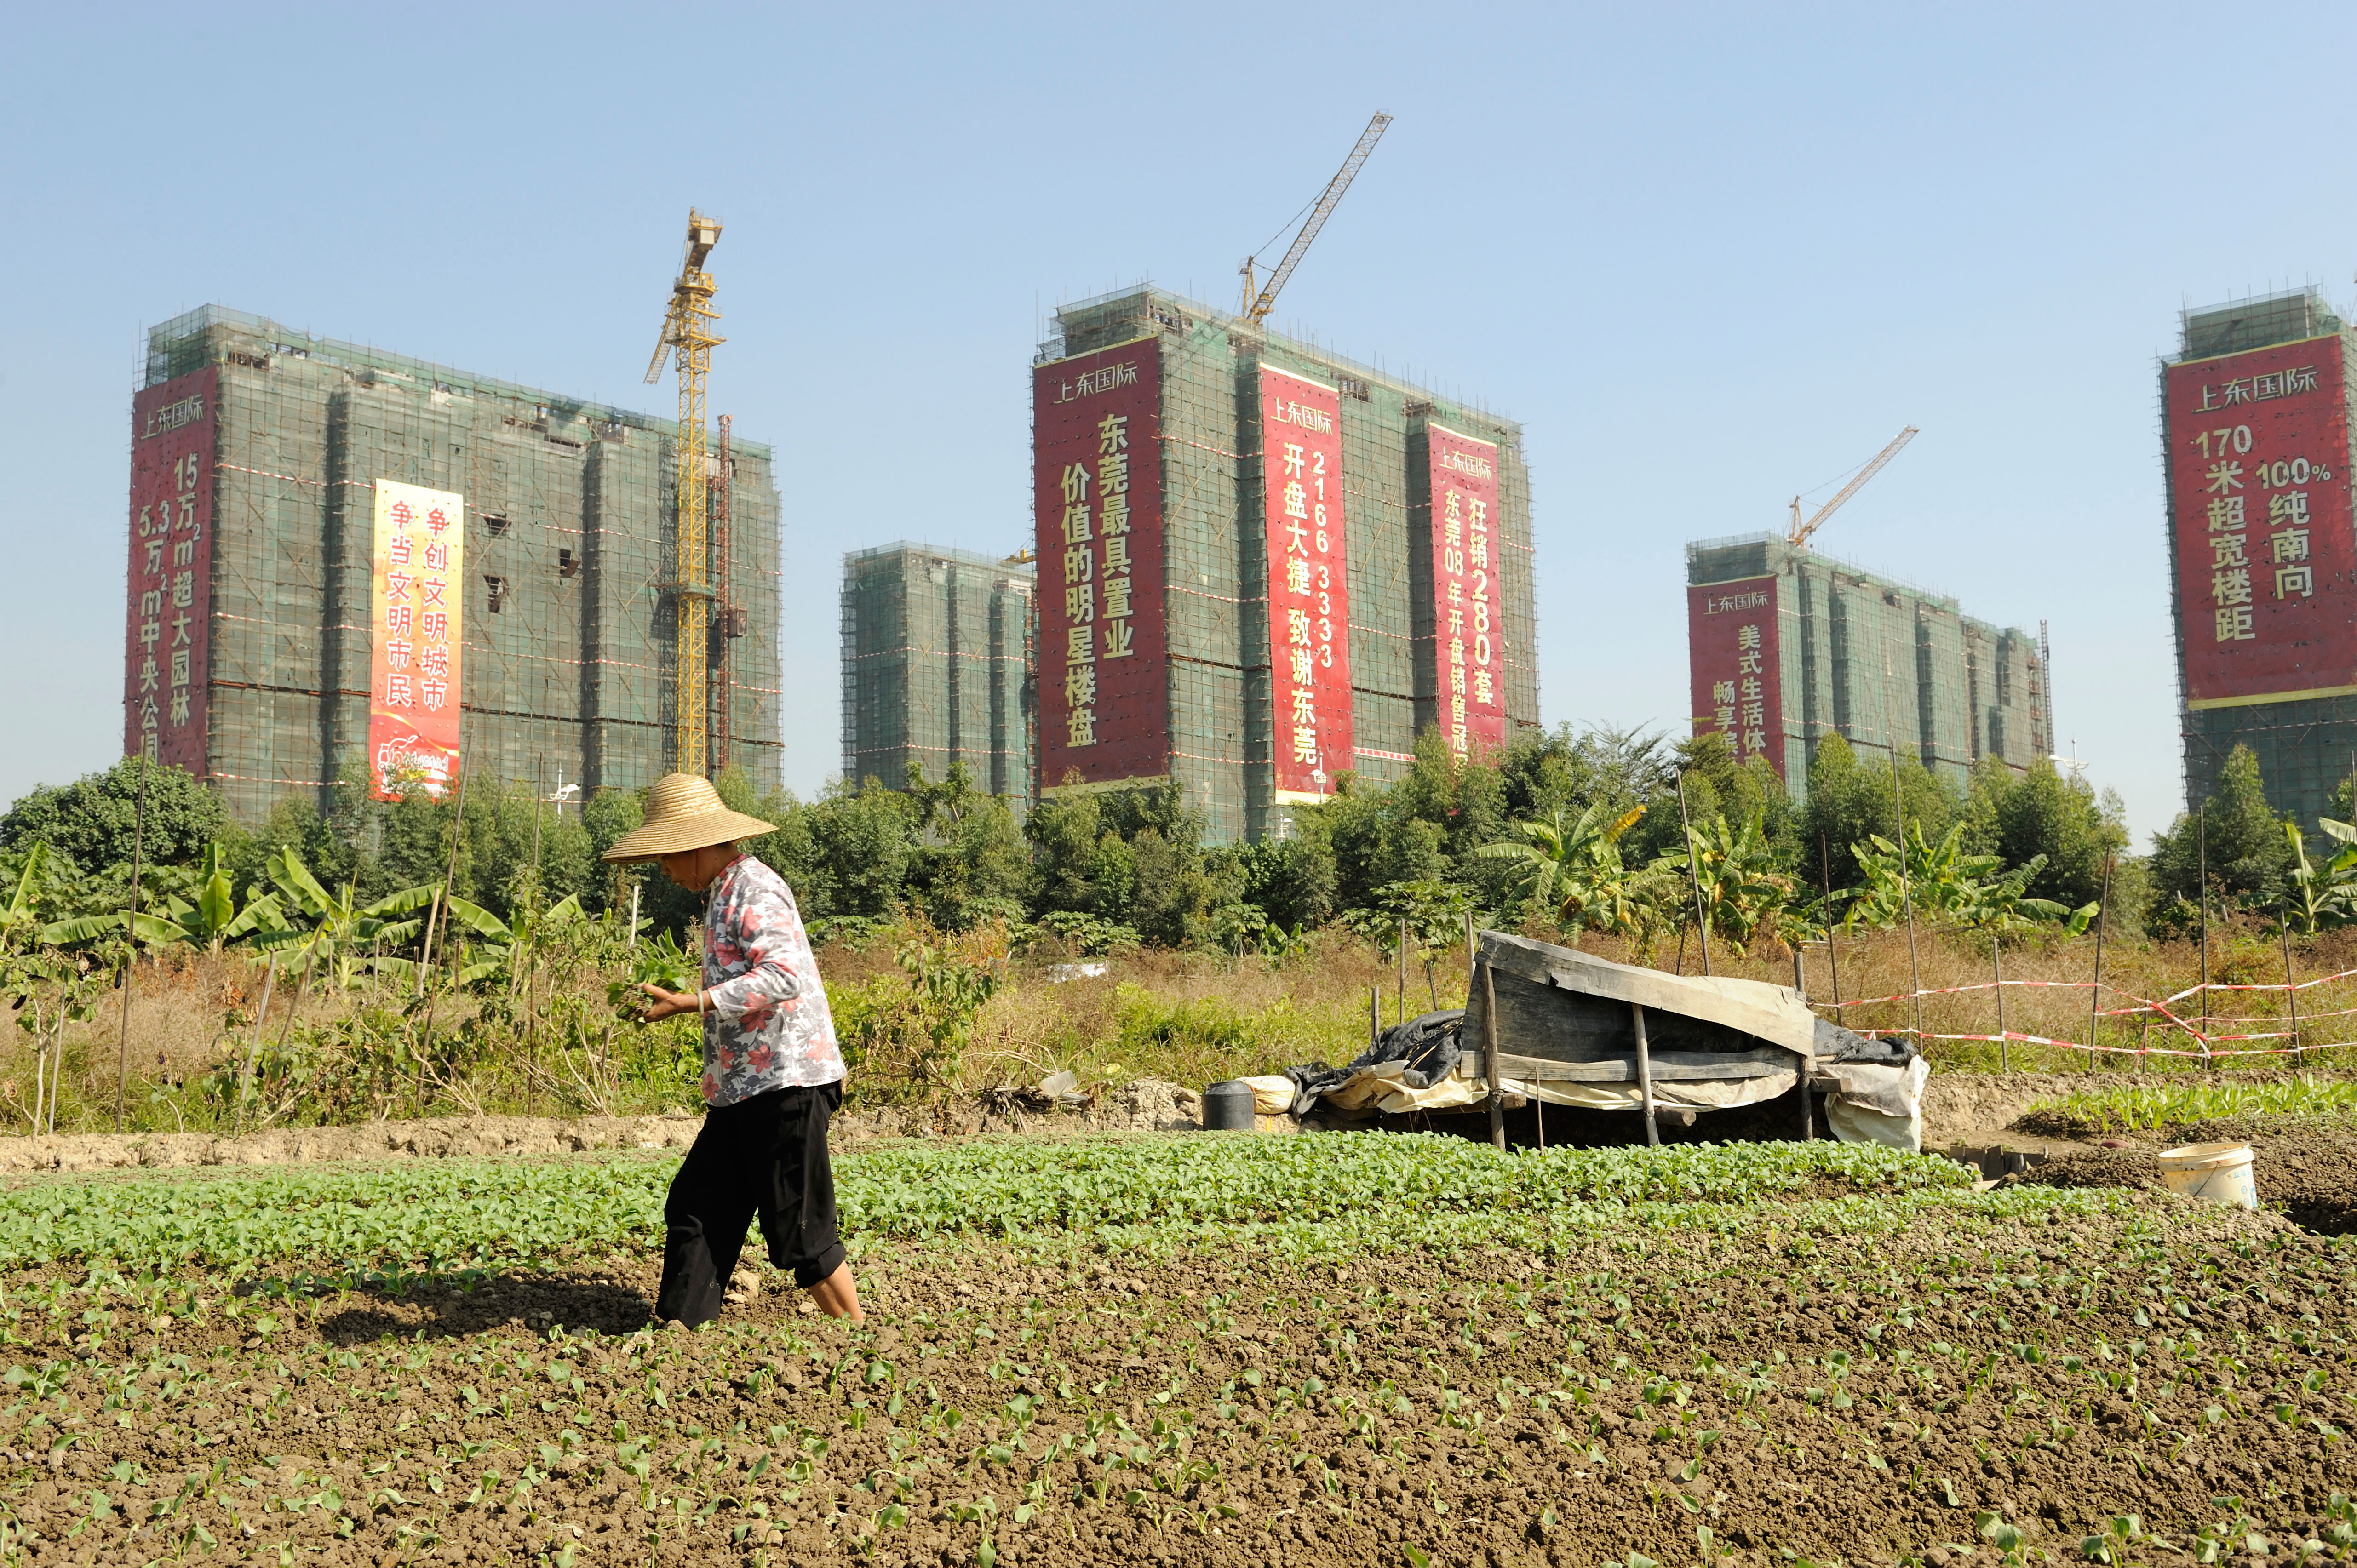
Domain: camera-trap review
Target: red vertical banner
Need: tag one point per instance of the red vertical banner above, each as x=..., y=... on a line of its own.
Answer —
x=417, y=572
x=2266, y=566
x=166, y=664
x=1096, y=508
x=1309, y=587
x=1731, y=659
x=1468, y=630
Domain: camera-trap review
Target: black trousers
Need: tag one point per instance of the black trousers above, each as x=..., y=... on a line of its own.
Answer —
x=761, y=1158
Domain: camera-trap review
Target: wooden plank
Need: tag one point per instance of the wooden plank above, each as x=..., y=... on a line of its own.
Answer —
x=1681, y=1068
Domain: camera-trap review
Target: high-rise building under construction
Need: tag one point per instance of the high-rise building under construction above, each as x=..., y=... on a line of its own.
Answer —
x=936, y=667
x=1263, y=566
x=346, y=564
x=1787, y=646
x=2258, y=465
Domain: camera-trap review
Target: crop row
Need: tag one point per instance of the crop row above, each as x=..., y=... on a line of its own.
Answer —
x=458, y=1214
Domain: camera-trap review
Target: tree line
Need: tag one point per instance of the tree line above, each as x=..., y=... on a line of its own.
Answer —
x=1587, y=829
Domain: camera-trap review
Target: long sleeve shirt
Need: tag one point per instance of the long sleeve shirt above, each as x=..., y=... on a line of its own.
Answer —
x=766, y=1023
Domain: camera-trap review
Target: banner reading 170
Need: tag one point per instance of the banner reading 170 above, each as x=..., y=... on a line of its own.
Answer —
x=2267, y=567
x=416, y=580
x=1309, y=584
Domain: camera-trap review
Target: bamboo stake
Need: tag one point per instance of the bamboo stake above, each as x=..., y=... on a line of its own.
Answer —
x=2202, y=827
x=245, y=1075
x=1489, y=1038
x=1403, y=961
x=130, y=941
x=1645, y=1078
x=2095, y=1003
x=1906, y=899
x=1694, y=878
x=1997, y=967
x=1833, y=957
x=1374, y=1016
x=2291, y=994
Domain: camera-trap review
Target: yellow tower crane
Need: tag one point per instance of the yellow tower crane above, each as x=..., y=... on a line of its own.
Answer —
x=687, y=327
x=1259, y=302
x=1798, y=534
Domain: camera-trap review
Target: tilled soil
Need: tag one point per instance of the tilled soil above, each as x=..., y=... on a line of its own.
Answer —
x=1797, y=1389
x=2308, y=1171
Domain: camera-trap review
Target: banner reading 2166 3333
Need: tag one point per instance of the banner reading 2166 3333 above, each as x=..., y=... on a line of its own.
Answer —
x=417, y=581
x=1309, y=583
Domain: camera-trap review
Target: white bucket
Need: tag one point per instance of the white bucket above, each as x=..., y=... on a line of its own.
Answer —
x=2216, y=1173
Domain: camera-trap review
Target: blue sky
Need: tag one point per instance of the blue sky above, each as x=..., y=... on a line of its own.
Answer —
x=1708, y=256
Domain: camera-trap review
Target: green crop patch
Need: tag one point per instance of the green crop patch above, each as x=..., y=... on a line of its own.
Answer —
x=451, y=1215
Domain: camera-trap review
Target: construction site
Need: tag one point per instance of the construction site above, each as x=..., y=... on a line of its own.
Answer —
x=1788, y=646
x=561, y=610
x=1264, y=567
x=937, y=667
x=2262, y=530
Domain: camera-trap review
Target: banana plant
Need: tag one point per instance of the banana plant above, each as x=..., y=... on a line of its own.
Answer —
x=1575, y=869
x=2323, y=895
x=342, y=925
x=1734, y=871
x=210, y=919
x=505, y=941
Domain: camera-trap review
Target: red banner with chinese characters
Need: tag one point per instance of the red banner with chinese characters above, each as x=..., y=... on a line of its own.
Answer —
x=1731, y=655
x=1097, y=463
x=417, y=588
x=1468, y=631
x=166, y=661
x=2266, y=569
x=1309, y=587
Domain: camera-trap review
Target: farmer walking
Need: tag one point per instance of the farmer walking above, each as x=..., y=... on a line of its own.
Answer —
x=772, y=1074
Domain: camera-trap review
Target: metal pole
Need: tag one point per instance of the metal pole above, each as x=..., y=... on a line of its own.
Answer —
x=1906, y=899
x=2095, y=1003
x=2202, y=827
x=1489, y=1038
x=1374, y=1016
x=1645, y=1076
x=634, y=915
x=2291, y=994
x=1694, y=876
x=131, y=941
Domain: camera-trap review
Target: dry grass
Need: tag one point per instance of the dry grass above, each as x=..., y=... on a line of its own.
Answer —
x=1196, y=1019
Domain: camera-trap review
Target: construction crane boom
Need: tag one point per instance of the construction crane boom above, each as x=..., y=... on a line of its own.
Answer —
x=1801, y=531
x=1258, y=304
x=687, y=329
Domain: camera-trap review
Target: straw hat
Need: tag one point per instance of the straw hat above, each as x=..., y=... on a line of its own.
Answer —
x=684, y=813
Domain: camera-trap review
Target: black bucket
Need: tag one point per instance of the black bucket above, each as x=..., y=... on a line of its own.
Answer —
x=1228, y=1107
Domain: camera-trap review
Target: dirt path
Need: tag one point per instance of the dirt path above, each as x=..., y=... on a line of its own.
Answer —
x=1148, y=1105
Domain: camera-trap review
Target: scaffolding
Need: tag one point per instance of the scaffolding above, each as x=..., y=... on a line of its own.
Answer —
x=2306, y=747
x=1216, y=605
x=568, y=646
x=936, y=662
x=1890, y=667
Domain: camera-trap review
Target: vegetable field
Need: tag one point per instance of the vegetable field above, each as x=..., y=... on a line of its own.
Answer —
x=1176, y=1350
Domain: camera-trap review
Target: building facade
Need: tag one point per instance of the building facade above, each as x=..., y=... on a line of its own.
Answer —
x=326, y=541
x=1263, y=566
x=1787, y=646
x=2257, y=424
x=936, y=667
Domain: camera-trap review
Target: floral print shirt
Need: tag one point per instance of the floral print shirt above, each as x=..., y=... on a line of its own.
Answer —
x=767, y=1026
